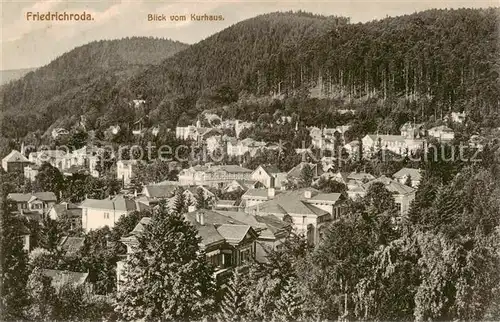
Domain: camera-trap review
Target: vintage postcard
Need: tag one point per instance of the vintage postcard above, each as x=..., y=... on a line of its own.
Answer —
x=250, y=160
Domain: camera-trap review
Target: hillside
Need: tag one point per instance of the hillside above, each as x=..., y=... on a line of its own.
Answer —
x=429, y=62
x=13, y=74
x=419, y=66
x=78, y=82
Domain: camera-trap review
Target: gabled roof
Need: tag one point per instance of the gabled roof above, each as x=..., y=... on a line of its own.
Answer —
x=15, y=156
x=194, y=190
x=119, y=203
x=71, y=209
x=415, y=174
x=212, y=221
x=271, y=170
x=297, y=170
x=159, y=191
x=139, y=228
x=60, y=278
x=267, y=226
x=257, y=193
x=246, y=184
x=392, y=185
x=234, y=233
x=71, y=244
x=25, y=197
x=295, y=202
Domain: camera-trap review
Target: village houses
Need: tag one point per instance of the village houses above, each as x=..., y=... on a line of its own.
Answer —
x=213, y=175
x=33, y=205
x=308, y=209
x=227, y=243
x=269, y=176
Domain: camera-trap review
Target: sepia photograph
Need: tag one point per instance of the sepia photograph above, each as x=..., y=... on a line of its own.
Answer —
x=250, y=160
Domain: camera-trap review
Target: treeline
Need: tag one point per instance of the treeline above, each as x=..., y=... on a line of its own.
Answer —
x=439, y=60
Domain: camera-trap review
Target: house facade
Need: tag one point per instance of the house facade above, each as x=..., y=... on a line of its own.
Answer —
x=214, y=176
x=37, y=203
x=269, y=176
x=442, y=133
x=402, y=176
x=84, y=159
x=307, y=209
x=227, y=243
x=125, y=171
x=397, y=144
x=15, y=161
x=100, y=213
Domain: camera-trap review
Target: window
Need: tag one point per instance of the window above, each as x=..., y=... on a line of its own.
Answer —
x=106, y=215
x=245, y=255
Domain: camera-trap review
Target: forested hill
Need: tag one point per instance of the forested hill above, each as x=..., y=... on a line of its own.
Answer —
x=423, y=64
x=440, y=60
x=78, y=82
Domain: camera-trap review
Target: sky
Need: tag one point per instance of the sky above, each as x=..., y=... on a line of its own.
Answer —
x=27, y=44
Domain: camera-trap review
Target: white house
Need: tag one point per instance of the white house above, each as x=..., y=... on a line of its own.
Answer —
x=403, y=195
x=125, y=170
x=14, y=161
x=37, y=203
x=398, y=144
x=99, y=213
x=307, y=209
x=402, y=176
x=442, y=133
x=212, y=175
x=269, y=176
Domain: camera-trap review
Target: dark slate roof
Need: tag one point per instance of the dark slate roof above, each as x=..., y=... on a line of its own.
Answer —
x=71, y=209
x=71, y=244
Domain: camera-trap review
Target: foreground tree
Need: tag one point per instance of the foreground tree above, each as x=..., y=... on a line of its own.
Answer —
x=168, y=276
x=14, y=272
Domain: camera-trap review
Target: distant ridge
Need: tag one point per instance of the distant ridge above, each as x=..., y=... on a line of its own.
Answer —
x=13, y=74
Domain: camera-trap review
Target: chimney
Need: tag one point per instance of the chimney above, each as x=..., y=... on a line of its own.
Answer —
x=202, y=218
x=307, y=194
x=271, y=193
x=135, y=193
x=67, y=206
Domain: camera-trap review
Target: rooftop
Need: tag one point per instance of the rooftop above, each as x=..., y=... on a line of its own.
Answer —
x=15, y=156
x=25, y=197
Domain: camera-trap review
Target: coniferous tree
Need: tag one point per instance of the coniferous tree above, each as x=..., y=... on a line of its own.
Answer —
x=180, y=205
x=290, y=305
x=168, y=276
x=42, y=296
x=201, y=199
x=14, y=260
x=232, y=306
